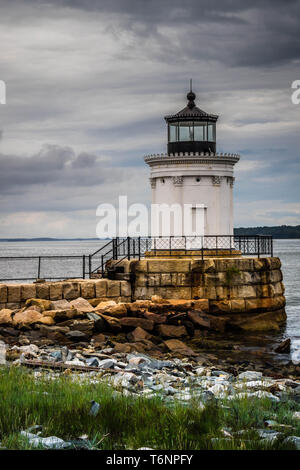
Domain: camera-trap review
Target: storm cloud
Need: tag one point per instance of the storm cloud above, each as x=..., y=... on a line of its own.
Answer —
x=88, y=83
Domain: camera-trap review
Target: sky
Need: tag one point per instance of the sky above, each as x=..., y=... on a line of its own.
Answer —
x=88, y=83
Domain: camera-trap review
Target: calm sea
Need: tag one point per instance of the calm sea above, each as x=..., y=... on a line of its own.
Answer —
x=287, y=250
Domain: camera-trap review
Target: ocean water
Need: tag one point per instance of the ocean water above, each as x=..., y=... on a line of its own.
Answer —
x=287, y=250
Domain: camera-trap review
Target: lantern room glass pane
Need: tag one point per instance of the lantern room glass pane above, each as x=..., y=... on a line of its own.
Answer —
x=173, y=137
x=211, y=132
x=200, y=131
x=186, y=131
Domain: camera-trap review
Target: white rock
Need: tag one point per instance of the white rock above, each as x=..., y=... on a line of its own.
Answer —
x=51, y=442
x=296, y=415
x=258, y=394
x=250, y=375
x=293, y=440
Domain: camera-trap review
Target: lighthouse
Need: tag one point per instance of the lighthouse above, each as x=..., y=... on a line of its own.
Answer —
x=192, y=179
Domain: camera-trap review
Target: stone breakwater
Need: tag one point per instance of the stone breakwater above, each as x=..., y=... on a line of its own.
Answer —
x=156, y=324
x=243, y=293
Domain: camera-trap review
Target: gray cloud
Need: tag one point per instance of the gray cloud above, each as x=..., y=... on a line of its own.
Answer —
x=88, y=83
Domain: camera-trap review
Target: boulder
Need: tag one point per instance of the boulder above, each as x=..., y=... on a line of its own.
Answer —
x=62, y=304
x=86, y=326
x=112, y=323
x=62, y=315
x=172, y=331
x=6, y=317
x=201, y=304
x=138, y=308
x=134, y=322
x=53, y=332
x=178, y=347
x=261, y=322
x=199, y=319
x=81, y=305
x=30, y=317
x=155, y=317
x=202, y=320
x=284, y=347
x=99, y=323
x=42, y=303
x=138, y=334
x=76, y=335
x=117, y=311
x=99, y=340
x=122, y=348
x=103, y=306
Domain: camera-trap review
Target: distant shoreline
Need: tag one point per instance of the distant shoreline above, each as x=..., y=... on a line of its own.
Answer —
x=51, y=239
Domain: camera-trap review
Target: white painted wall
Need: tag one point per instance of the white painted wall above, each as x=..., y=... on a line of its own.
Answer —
x=174, y=180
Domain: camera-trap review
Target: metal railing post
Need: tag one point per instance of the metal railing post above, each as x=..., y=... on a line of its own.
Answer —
x=258, y=246
x=83, y=266
x=90, y=266
x=139, y=247
x=39, y=268
x=128, y=248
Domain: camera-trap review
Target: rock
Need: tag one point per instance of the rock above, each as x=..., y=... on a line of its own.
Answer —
x=199, y=319
x=112, y=323
x=81, y=305
x=31, y=349
x=103, y=306
x=137, y=360
x=62, y=315
x=156, y=299
x=92, y=362
x=122, y=348
x=86, y=326
x=176, y=346
x=296, y=415
x=42, y=303
x=155, y=317
x=284, y=347
x=107, y=364
x=136, y=321
x=28, y=318
x=258, y=394
x=99, y=322
x=295, y=440
x=57, y=356
x=6, y=317
x=171, y=331
x=62, y=304
x=51, y=442
x=203, y=320
x=138, y=334
x=117, y=311
x=99, y=340
x=94, y=408
x=76, y=335
x=268, y=435
x=262, y=322
x=2, y=353
x=250, y=375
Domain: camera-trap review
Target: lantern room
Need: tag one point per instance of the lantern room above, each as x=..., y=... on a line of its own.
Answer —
x=191, y=129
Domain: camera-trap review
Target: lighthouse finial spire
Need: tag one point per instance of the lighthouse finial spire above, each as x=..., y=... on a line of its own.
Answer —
x=191, y=96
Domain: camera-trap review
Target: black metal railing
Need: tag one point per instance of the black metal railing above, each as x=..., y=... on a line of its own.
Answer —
x=216, y=245
x=56, y=267
x=50, y=267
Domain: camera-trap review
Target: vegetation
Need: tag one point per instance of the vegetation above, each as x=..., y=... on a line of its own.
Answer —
x=62, y=407
x=282, y=231
x=231, y=273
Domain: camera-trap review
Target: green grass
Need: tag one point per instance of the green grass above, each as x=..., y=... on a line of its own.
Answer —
x=62, y=407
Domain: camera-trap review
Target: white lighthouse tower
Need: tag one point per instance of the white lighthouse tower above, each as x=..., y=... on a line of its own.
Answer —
x=192, y=176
